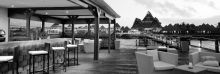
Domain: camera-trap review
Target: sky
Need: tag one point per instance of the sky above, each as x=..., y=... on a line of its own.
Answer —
x=167, y=11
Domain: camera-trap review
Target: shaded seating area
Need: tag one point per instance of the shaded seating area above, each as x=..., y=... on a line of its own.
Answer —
x=65, y=12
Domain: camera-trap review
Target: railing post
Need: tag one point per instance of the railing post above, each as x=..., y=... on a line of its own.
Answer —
x=216, y=46
x=184, y=44
x=184, y=50
x=200, y=43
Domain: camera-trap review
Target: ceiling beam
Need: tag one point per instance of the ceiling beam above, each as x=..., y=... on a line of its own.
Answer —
x=49, y=8
x=80, y=3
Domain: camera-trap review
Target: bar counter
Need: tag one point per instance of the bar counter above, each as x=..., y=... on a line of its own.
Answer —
x=7, y=48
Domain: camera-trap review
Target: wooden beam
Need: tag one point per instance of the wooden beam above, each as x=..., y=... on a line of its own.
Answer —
x=114, y=31
x=78, y=2
x=89, y=21
x=28, y=14
x=73, y=18
x=63, y=27
x=96, y=12
x=216, y=46
x=109, y=36
x=48, y=8
x=43, y=20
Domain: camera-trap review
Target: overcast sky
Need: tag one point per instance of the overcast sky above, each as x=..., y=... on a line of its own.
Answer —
x=168, y=11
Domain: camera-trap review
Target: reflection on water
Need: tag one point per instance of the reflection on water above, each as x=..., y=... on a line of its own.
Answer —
x=205, y=44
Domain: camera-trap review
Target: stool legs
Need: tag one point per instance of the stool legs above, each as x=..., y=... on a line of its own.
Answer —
x=48, y=64
x=33, y=64
x=53, y=61
x=64, y=61
x=68, y=57
x=43, y=63
x=77, y=56
x=30, y=64
x=74, y=60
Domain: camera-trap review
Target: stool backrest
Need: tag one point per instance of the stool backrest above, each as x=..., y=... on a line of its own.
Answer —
x=65, y=44
x=16, y=56
x=16, y=53
x=47, y=47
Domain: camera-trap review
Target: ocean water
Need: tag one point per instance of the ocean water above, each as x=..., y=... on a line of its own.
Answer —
x=205, y=44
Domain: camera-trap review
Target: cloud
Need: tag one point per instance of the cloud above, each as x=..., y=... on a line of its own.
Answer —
x=210, y=3
x=166, y=7
x=178, y=8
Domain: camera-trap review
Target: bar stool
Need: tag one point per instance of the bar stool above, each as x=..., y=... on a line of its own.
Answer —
x=13, y=60
x=58, y=49
x=43, y=53
x=75, y=51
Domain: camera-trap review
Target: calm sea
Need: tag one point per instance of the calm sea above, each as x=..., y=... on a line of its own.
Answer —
x=206, y=44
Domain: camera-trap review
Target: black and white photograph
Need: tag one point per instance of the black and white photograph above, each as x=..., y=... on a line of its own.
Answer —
x=109, y=36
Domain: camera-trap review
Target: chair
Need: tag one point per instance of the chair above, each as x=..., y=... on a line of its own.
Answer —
x=149, y=63
x=13, y=60
x=60, y=49
x=40, y=53
x=197, y=59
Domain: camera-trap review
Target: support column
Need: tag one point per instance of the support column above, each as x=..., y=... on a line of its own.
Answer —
x=72, y=19
x=43, y=20
x=96, y=12
x=89, y=27
x=184, y=43
x=63, y=29
x=200, y=43
x=184, y=50
x=114, y=32
x=216, y=46
x=28, y=13
x=109, y=35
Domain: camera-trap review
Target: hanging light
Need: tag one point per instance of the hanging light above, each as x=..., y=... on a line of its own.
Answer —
x=2, y=32
x=12, y=6
x=46, y=13
x=67, y=12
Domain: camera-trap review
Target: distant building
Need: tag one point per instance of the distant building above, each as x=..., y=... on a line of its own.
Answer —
x=117, y=27
x=148, y=23
x=134, y=31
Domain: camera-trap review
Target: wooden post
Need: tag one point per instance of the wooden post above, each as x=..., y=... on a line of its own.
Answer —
x=200, y=43
x=72, y=19
x=109, y=35
x=184, y=43
x=28, y=13
x=216, y=46
x=89, y=27
x=43, y=19
x=184, y=50
x=63, y=29
x=96, y=12
x=114, y=32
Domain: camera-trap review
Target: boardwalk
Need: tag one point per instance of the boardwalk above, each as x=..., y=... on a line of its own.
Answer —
x=120, y=61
